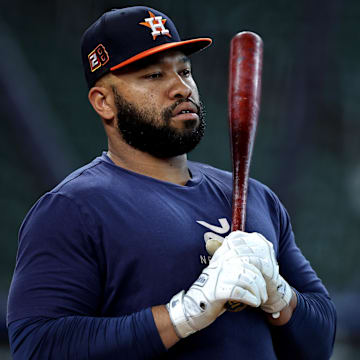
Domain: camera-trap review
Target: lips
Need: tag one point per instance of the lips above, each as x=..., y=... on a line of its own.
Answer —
x=185, y=111
x=185, y=108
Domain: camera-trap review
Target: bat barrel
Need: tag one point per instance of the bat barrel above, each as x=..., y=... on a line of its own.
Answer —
x=244, y=104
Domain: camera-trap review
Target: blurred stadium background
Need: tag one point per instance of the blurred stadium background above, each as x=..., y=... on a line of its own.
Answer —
x=307, y=148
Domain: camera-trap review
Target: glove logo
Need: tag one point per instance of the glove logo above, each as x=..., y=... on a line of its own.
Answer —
x=201, y=281
x=156, y=24
x=98, y=57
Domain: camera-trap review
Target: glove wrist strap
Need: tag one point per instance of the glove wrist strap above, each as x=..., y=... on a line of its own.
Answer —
x=178, y=317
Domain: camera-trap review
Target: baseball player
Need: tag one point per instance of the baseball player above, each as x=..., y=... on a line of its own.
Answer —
x=112, y=261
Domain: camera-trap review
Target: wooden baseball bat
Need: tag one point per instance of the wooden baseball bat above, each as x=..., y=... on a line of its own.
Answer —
x=244, y=104
x=245, y=66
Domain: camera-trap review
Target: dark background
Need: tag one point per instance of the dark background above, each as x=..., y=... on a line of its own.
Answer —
x=307, y=146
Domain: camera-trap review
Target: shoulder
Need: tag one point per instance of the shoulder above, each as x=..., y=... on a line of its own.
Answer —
x=262, y=197
x=93, y=181
x=72, y=195
x=257, y=188
x=84, y=178
x=265, y=198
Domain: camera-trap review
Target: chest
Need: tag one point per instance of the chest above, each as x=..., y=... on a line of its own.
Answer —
x=153, y=241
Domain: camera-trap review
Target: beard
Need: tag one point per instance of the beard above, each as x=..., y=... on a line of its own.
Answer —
x=142, y=129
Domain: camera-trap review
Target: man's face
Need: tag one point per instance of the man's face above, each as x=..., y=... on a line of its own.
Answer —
x=158, y=106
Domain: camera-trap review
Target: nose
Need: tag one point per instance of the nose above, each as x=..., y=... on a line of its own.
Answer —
x=179, y=89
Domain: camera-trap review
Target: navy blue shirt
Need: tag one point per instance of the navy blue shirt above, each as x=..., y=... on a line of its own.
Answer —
x=106, y=244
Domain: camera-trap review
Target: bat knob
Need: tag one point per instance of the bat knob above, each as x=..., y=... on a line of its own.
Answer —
x=212, y=246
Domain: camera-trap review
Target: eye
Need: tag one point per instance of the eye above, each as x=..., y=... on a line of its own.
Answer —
x=153, y=76
x=185, y=72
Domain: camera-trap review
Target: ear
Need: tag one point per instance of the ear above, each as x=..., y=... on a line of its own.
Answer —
x=101, y=100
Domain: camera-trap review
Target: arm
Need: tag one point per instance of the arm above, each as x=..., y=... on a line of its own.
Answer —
x=80, y=337
x=305, y=328
x=56, y=293
x=164, y=326
x=310, y=333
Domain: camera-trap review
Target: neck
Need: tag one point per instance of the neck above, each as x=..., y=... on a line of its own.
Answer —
x=174, y=170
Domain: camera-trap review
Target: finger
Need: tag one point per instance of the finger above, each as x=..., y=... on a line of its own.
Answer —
x=241, y=273
x=252, y=281
x=261, y=283
x=224, y=255
x=259, y=280
x=220, y=251
x=244, y=296
x=266, y=267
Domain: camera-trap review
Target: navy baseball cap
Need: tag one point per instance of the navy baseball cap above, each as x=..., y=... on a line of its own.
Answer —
x=122, y=36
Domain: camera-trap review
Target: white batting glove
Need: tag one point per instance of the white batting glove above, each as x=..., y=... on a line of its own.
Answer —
x=227, y=278
x=254, y=248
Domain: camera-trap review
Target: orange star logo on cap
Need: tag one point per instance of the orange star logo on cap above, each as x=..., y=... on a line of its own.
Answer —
x=156, y=24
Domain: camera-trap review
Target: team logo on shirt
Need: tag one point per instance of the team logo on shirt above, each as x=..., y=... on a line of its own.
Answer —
x=217, y=233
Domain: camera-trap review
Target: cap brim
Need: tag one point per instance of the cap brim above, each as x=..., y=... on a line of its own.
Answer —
x=187, y=46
